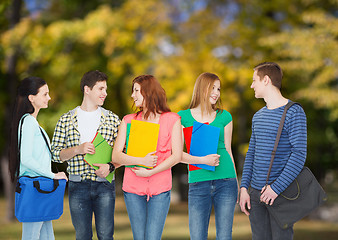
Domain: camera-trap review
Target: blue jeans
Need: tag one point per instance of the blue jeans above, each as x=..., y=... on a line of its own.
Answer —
x=222, y=194
x=88, y=197
x=37, y=231
x=263, y=225
x=147, y=218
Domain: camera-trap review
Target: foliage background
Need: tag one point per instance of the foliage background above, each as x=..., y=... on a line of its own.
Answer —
x=174, y=40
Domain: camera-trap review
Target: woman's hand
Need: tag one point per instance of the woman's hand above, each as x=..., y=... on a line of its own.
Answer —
x=211, y=160
x=142, y=172
x=150, y=159
x=60, y=175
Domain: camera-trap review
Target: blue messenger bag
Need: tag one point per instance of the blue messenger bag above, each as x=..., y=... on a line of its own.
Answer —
x=38, y=198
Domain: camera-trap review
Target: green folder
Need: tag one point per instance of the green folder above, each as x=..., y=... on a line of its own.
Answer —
x=103, y=152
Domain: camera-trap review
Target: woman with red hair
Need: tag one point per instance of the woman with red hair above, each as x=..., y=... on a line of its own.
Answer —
x=147, y=191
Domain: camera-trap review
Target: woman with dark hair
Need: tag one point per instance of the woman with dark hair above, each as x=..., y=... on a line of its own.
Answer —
x=217, y=188
x=147, y=191
x=32, y=158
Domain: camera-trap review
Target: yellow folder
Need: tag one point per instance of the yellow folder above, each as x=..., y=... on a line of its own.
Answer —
x=103, y=152
x=143, y=139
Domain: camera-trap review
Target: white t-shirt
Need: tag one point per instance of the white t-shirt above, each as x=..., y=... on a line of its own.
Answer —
x=88, y=123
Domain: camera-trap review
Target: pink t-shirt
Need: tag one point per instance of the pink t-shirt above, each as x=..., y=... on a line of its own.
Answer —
x=160, y=182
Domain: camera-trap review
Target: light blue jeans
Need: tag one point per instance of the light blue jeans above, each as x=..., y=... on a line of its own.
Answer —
x=147, y=218
x=88, y=197
x=37, y=231
x=222, y=194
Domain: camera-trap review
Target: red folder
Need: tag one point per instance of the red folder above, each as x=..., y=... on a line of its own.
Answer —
x=187, y=132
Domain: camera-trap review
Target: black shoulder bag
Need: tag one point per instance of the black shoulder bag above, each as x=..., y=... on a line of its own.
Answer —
x=301, y=197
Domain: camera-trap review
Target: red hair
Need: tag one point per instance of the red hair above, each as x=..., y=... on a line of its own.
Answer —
x=154, y=95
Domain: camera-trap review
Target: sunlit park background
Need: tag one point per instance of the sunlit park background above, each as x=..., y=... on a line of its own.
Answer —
x=60, y=40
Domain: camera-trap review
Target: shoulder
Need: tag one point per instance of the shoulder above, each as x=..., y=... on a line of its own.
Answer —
x=129, y=117
x=110, y=115
x=68, y=115
x=259, y=113
x=296, y=109
x=29, y=121
x=295, y=115
x=183, y=113
x=171, y=116
x=224, y=114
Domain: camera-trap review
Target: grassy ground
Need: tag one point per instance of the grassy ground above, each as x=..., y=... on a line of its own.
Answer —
x=176, y=226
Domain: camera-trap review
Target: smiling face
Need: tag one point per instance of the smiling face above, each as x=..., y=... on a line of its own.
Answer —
x=137, y=96
x=215, y=92
x=257, y=85
x=41, y=99
x=98, y=93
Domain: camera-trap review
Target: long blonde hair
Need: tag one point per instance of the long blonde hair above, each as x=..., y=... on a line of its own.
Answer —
x=202, y=90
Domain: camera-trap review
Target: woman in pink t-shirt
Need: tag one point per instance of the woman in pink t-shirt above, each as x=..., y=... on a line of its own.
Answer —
x=147, y=191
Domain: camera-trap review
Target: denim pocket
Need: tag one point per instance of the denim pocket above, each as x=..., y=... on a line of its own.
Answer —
x=229, y=179
x=72, y=186
x=109, y=185
x=193, y=184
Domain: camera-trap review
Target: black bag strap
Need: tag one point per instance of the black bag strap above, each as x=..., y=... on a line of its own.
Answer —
x=36, y=184
x=279, y=132
x=44, y=137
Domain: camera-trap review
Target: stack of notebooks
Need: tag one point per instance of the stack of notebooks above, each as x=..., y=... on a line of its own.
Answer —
x=201, y=139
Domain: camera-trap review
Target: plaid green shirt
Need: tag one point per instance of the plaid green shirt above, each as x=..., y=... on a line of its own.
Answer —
x=66, y=135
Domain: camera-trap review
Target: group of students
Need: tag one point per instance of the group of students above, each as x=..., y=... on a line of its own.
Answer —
x=147, y=191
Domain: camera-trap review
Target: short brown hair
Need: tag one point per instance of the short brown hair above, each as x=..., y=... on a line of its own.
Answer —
x=91, y=78
x=272, y=70
x=153, y=94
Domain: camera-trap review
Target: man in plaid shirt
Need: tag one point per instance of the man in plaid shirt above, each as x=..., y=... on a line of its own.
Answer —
x=89, y=191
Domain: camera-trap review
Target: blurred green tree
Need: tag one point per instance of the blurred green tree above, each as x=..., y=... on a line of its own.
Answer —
x=176, y=41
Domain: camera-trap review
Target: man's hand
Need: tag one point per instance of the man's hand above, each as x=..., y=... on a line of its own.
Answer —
x=244, y=201
x=85, y=148
x=103, y=170
x=268, y=196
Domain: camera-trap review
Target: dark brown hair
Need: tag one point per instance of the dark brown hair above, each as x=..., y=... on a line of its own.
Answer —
x=28, y=86
x=153, y=94
x=91, y=78
x=272, y=70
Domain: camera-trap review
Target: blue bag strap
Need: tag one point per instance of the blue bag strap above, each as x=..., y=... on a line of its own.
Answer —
x=36, y=184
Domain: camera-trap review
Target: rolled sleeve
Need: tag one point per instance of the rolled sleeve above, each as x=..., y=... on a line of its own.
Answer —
x=58, y=141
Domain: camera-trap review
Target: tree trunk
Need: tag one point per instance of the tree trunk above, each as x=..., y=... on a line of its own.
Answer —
x=11, y=84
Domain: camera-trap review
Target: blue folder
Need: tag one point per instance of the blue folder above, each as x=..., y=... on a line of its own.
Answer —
x=204, y=141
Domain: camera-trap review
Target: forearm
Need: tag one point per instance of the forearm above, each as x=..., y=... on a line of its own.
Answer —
x=166, y=164
x=122, y=159
x=68, y=153
x=189, y=159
